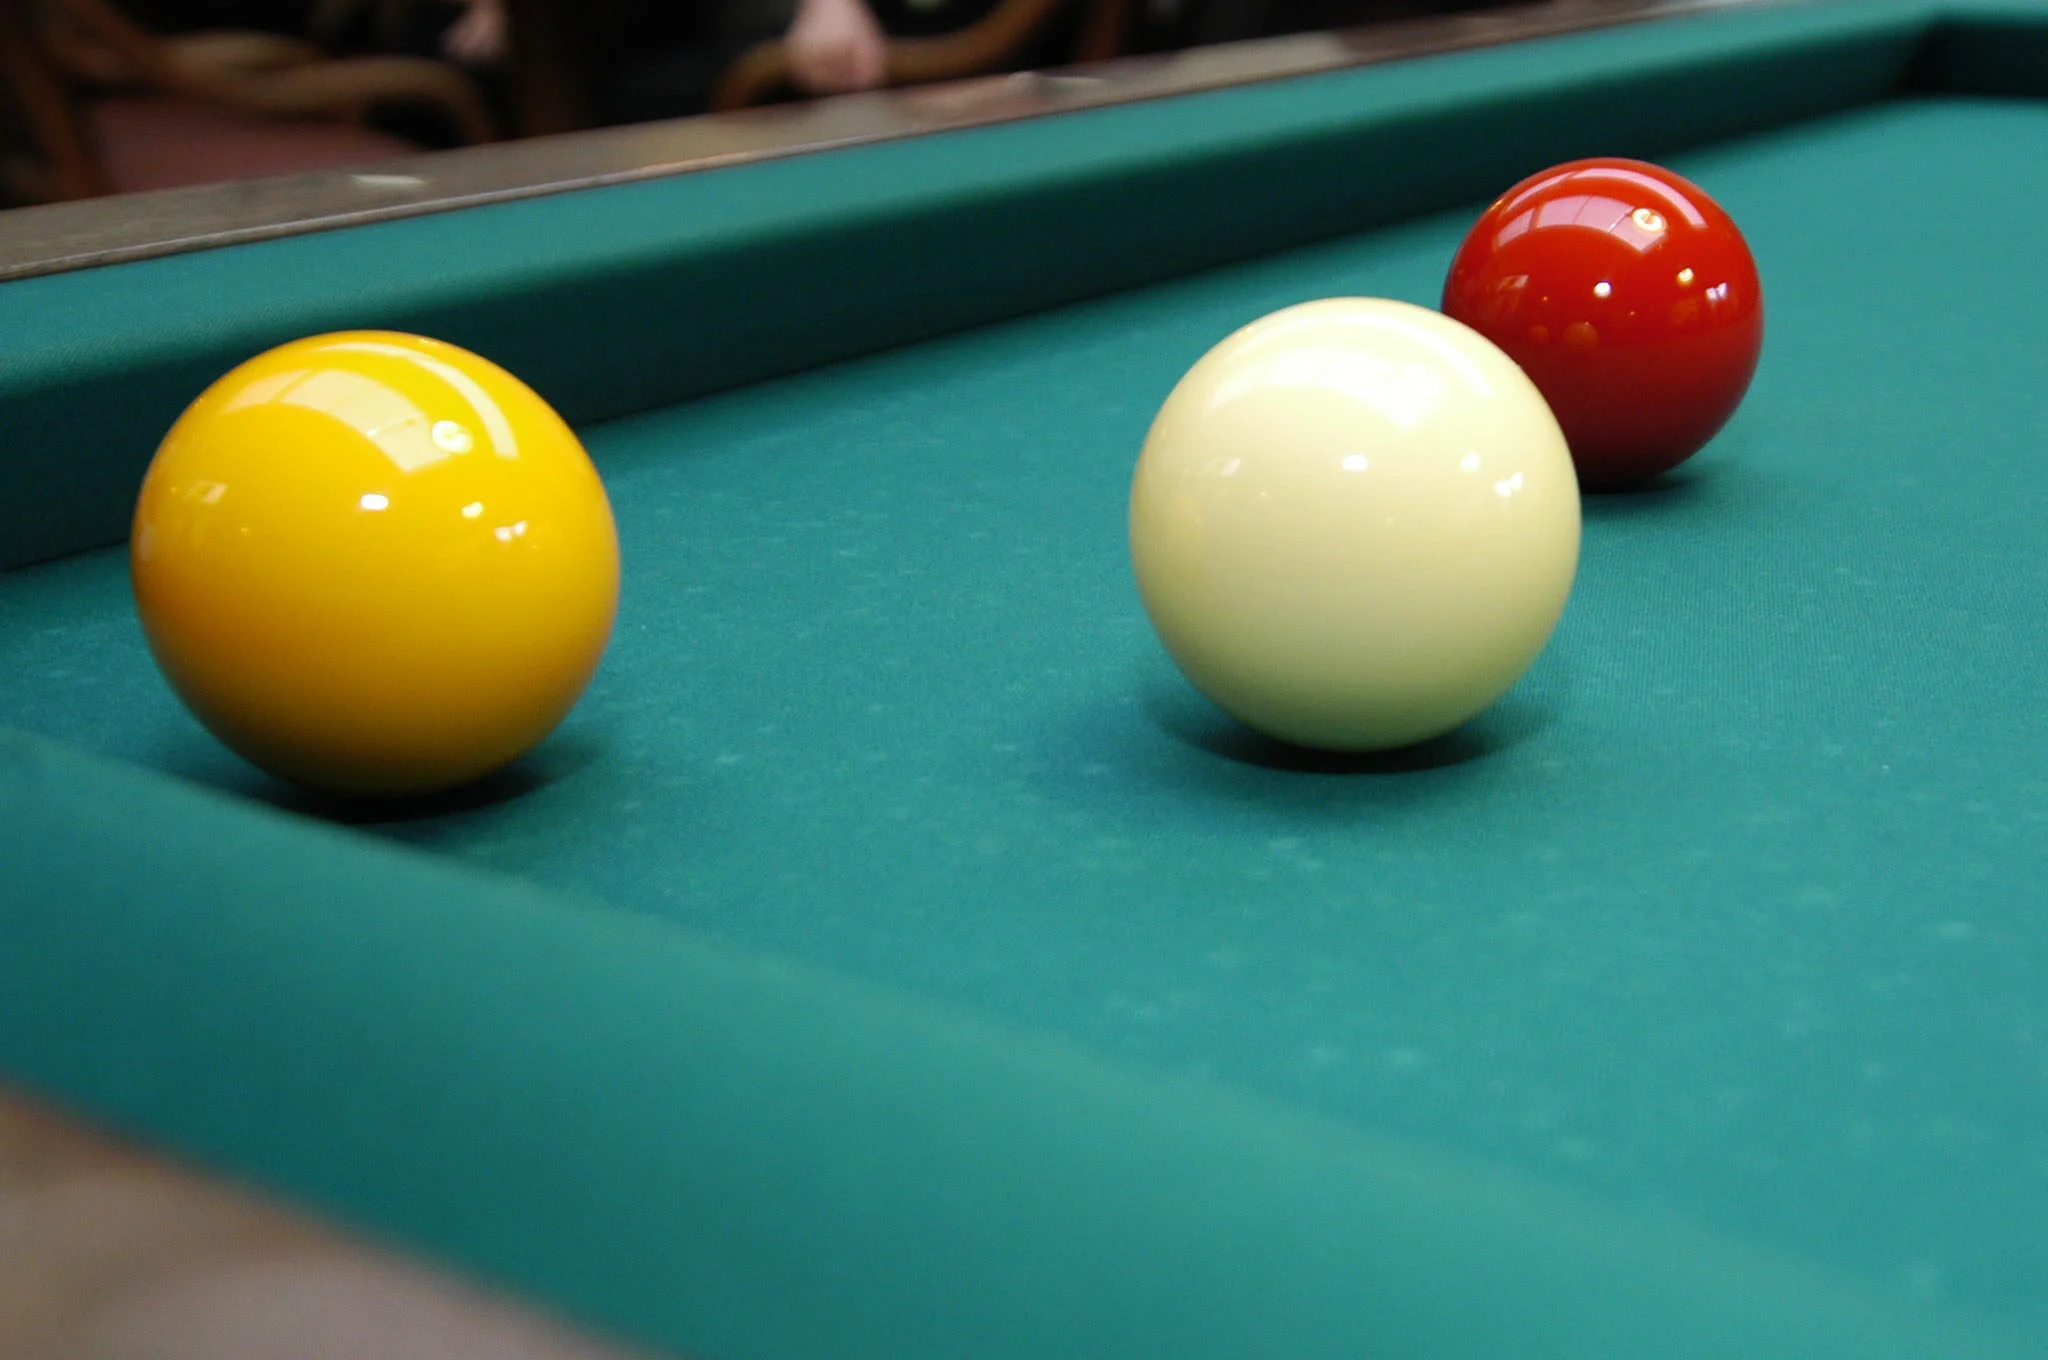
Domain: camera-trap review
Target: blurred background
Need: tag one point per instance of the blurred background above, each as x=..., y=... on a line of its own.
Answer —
x=113, y=96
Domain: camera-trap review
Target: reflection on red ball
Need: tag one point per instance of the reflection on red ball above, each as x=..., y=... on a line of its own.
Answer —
x=1631, y=300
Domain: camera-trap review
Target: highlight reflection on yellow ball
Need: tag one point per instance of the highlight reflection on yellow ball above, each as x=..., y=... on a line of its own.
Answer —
x=375, y=563
x=1355, y=524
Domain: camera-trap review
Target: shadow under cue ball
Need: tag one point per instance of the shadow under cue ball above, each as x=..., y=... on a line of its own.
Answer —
x=1354, y=524
x=373, y=563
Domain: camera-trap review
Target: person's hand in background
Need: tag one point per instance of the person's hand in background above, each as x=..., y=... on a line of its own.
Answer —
x=478, y=37
x=835, y=47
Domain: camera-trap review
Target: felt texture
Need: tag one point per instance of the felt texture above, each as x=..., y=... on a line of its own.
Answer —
x=893, y=956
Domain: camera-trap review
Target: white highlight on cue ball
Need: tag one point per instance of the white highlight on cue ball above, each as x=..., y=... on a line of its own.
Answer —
x=1355, y=524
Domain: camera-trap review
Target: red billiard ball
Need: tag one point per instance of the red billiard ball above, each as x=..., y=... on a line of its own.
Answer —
x=1630, y=299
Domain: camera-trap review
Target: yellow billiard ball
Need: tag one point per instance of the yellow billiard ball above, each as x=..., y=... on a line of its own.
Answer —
x=1354, y=524
x=374, y=563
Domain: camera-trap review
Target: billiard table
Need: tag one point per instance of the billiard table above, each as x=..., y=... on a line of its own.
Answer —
x=893, y=956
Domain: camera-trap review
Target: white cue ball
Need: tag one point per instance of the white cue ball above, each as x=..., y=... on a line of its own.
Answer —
x=1355, y=524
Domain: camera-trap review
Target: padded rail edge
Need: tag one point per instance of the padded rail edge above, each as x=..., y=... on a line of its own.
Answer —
x=616, y=300
x=753, y=1160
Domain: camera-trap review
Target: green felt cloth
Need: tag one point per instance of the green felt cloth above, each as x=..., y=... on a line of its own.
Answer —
x=752, y=1158
x=896, y=959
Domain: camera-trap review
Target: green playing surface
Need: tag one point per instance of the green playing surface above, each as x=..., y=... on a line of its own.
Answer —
x=1719, y=943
